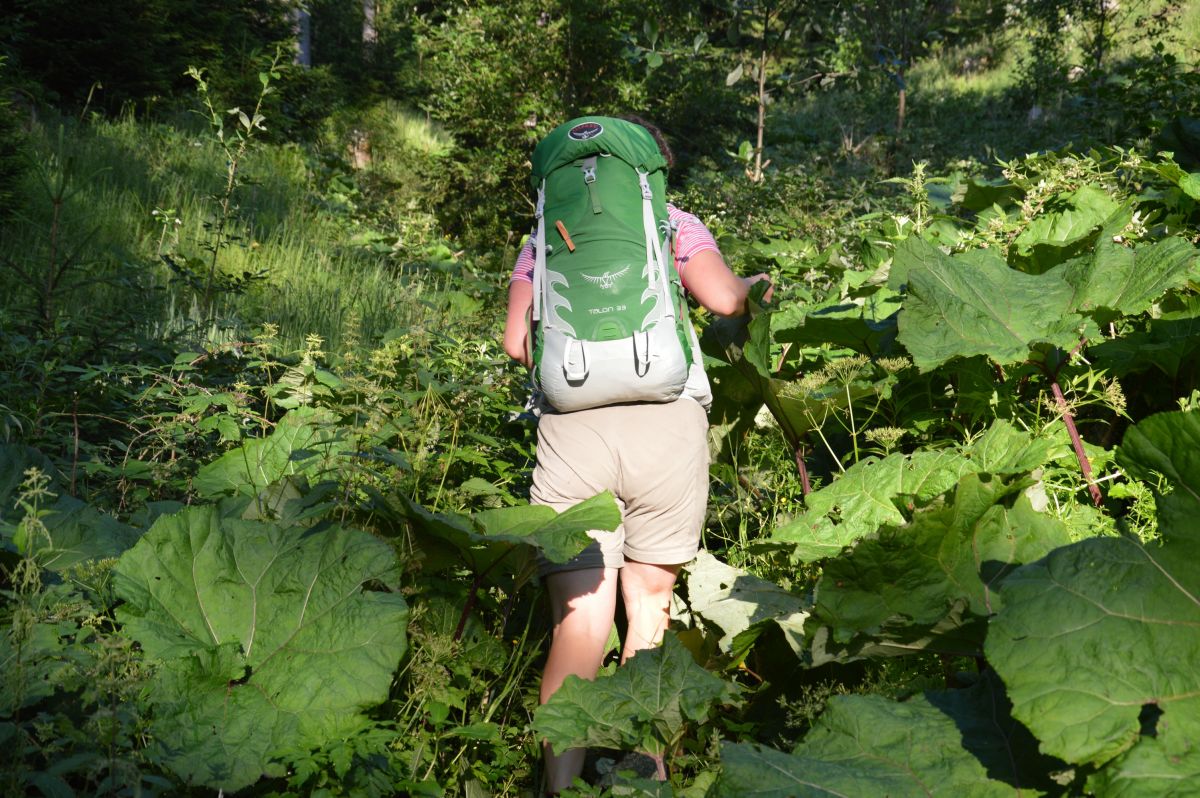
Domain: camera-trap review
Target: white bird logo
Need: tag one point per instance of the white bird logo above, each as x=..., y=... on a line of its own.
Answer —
x=606, y=280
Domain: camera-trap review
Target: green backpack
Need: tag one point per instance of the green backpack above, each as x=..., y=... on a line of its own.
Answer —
x=611, y=321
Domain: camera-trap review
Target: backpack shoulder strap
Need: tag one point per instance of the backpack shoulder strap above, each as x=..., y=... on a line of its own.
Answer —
x=539, y=253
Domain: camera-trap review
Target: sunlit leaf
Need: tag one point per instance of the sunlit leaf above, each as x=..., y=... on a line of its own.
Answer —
x=896, y=588
x=302, y=442
x=741, y=604
x=269, y=644
x=645, y=702
x=1096, y=641
x=960, y=307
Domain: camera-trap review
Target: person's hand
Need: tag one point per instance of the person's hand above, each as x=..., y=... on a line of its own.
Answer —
x=749, y=281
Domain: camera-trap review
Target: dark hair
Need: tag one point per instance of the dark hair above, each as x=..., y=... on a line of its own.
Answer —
x=659, y=138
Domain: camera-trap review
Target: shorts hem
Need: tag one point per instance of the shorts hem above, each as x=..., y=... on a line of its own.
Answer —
x=679, y=556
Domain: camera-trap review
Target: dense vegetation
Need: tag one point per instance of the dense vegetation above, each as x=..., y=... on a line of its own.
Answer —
x=264, y=466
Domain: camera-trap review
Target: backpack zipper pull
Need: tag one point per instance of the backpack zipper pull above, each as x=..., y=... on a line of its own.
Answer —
x=562, y=231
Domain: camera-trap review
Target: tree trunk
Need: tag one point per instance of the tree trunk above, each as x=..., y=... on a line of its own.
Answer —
x=757, y=176
x=302, y=29
x=901, y=109
x=369, y=34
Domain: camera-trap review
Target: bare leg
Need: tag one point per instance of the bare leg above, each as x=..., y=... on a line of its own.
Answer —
x=647, y=590
x=582, y=605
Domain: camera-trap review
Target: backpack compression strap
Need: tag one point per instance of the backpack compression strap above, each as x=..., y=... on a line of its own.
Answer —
x=659, y=281
x=539, y=254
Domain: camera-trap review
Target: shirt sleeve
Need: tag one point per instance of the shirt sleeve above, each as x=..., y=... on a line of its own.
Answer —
x=691, y=238
x=523, y=268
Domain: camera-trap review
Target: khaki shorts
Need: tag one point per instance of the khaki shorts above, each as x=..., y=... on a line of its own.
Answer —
x=654, y=459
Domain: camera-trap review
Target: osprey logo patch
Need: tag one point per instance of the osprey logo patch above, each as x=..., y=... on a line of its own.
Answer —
x=606, y=280
x=585, y=131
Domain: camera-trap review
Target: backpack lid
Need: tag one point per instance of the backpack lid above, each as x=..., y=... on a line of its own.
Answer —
x=589, y=135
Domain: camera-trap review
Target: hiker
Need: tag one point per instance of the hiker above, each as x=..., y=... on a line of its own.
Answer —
x=600, y=428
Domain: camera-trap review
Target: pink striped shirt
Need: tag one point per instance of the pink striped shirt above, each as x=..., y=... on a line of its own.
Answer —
x=691, y=237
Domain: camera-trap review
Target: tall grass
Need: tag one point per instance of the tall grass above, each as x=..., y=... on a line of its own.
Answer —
x=142, y=189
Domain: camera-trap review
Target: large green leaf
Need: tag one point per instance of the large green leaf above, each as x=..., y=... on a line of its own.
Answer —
x=741, y=604
x=15, y=460
x=270, y=646
x=1188, y=182
x=980, y=193
x=1068, y=224
x=983, y=715
x=894, y=590
x=865, y=324
x=559, y=536
x=863, y=746
x=1097, y=642
x=960, y=306
x=1125, y=281
x=302, y=442
x=491, y=537
x=74, y=531
x=866, y=497
x=875, y=492
x=79, y=532
x=645, y=702
x=1168, y=343
x=1168, y=444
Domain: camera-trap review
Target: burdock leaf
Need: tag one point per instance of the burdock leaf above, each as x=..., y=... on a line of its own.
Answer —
x=270, y=644
x=866, y=497
x=959, y=307
x=1126, y=281
x=898, y=586
x=863, y=745
x=737, y=601
x=645, y=702
x=300, y=443
x=1097, y=641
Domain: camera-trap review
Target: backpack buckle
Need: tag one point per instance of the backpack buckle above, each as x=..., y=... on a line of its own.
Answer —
x=641, y=353
x=589, y=169
x=646, y=192
x=575, y=367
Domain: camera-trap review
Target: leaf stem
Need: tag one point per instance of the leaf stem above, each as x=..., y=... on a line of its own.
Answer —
x=805, y=483
x=1076, y=442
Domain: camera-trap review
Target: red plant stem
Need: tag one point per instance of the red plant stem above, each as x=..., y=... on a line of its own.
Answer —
x=1077, y=443
x=805, y=484
x=468, y=605
x=473, y=596
x=660, y=767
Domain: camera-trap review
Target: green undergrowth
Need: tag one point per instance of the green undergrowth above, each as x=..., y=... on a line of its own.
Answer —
x=952, y=464
x=265, y=531
x=310, y=248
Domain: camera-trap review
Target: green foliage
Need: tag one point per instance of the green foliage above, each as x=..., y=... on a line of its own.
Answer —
x=741, y=606
x=269, y=645
x=1130, y=709
x=488, y=538
x=299, y=444
x=872, y=508
x=646, y=703
x=863, y=745
x=886, y=597
x=13, y=148
x=137, y=51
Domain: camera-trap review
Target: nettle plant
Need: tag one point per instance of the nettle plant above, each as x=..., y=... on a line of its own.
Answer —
x=202, y=274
